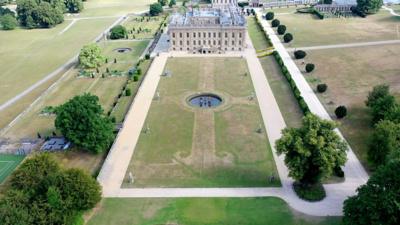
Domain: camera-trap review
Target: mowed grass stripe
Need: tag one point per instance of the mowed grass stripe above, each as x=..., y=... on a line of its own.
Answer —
x=202, y=211
x=7, y=165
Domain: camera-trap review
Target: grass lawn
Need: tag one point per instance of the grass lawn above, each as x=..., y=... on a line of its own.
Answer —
x=125, y=101
x=287, y=103
x=107, y=89
x=309, y=31
x=350, y=74
x=114, y=7
x=30, y=55
x=188, y=147
x=202, y=211
x=256, y=34
x=7, y=165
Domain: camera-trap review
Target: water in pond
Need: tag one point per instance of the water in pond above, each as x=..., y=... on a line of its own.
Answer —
x=205, y=101
x=122, y=50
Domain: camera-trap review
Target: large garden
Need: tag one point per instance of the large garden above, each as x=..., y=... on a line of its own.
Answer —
x=187, y=146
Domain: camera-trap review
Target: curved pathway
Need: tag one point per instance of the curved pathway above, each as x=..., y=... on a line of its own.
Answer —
x=390, y=10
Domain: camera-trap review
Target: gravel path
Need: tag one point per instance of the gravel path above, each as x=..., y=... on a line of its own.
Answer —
x=350, y=45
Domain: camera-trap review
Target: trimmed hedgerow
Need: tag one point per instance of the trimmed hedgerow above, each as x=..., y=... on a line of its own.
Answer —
x=296, y=92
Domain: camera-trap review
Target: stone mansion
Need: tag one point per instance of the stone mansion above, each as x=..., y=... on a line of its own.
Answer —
x=215, y=29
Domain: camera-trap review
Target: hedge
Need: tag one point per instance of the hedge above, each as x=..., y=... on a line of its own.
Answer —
x=262, y=28
x=296, y=92
x=318, y=14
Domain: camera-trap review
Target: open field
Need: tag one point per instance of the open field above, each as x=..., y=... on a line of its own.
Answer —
x=202, y=211
x=114, y=7
x=30, y=55
x=105, y=88
x=350, y=74
x=7, y=165
x=287, y=103
x=194, y=147
x=309, y=31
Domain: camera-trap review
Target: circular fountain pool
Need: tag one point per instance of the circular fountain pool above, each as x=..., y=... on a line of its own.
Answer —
x=205, y=100
x=122, y=50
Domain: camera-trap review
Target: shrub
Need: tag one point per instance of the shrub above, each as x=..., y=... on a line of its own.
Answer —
x=8, y=22
x=147, y=56
x=118, y=32
x=281, y=29
x=135, y=78
x=321, y=88
x=128, y=92
x=310, y=67
x=300, y=54
x=341, y=111
x=269, y=16
x=338, y=171
x=312, y=193
x=275, y=23
x=288, y=37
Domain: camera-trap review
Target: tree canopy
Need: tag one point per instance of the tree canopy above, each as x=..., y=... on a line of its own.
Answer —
x=81, y=121
x=376, y=202
x=41, y=192
x=8, y=22
x=384, y=143
x=73, y=6
x=382, y=104
x=91, y=57
x=369, y=6
x=155, y=9
x=40, y=14
x=313, y=150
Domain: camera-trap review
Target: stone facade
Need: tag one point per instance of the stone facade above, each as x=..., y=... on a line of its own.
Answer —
x=209, y=30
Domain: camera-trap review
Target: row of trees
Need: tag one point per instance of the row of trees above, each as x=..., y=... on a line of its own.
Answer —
x=385, y=112
x=377, y=202
x=45, y=13
x=41, y=192
x=281, y=29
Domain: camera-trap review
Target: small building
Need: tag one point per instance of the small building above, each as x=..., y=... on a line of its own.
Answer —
x=215, y=29
x=56, y=144
x=255, y=3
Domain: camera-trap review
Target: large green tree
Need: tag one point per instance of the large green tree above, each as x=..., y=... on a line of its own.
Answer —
x=91, y=56
x=118, y=32
x=41, y=192
x=380, y=101
x=378, y=201
x=155, y=9
x=40, y=13
x=384, y=143
x=81, y=121
x=369, y=6
x=313, y=150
